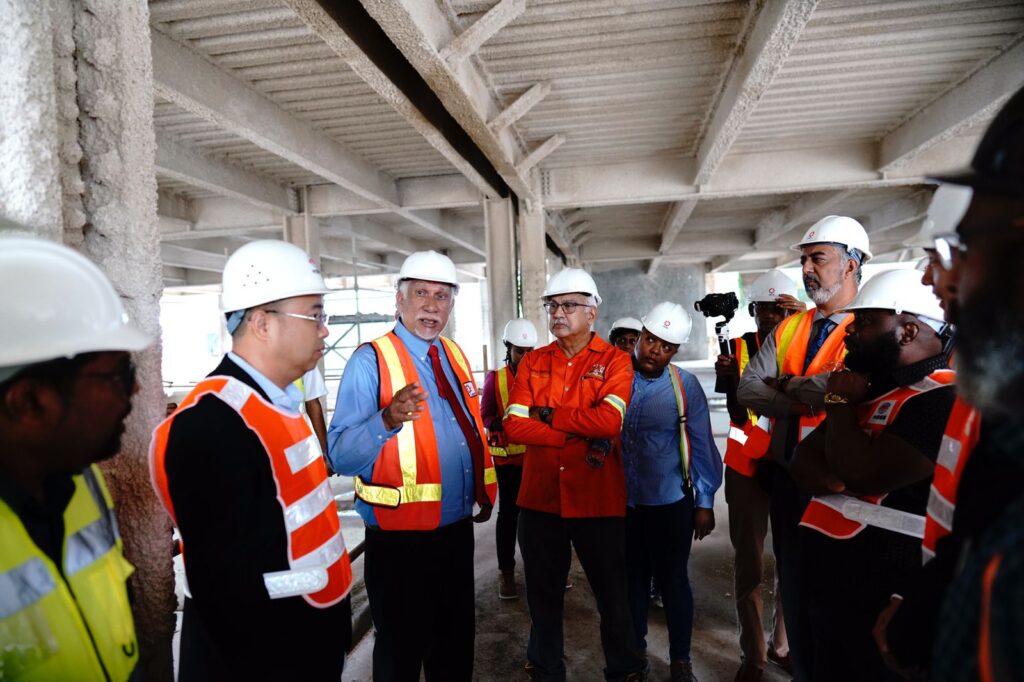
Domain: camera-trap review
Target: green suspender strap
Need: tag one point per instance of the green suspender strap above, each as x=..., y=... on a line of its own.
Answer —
x=684, y=438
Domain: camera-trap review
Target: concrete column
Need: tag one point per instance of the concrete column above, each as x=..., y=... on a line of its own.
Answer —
x=501, y=271
x=303, y=230
x=533, y=265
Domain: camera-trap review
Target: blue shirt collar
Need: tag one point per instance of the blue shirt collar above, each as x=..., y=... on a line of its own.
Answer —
x=413, y=343
x=289, y=399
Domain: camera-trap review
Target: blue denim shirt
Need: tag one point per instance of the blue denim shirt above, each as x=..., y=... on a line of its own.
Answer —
x=650, y=443
x=357, y=432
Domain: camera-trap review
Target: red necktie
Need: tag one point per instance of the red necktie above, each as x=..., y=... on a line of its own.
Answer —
x=476, y=446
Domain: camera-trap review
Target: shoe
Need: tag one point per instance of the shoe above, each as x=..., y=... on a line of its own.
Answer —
x=507, y=585
x=748, y=673
x=681, y=671
x=781, y=661
x=531, y=672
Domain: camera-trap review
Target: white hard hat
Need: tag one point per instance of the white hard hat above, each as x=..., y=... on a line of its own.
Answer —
x=837, y=229
x=669, y=322
x=902, y=292
x=268, y=270
x=57, y=304
x=571, y=281
x=947, y=209
x=627, y=323
x=769, y=286
x=520, y=332
x=429, y=266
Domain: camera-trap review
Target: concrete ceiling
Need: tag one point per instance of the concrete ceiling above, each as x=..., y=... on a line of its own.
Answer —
x=651, y=131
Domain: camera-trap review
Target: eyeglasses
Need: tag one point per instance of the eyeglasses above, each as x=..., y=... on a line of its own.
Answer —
x=444, y=298
x=945, y=246
x=569, y=307
x=123, y=376
x=319, y=318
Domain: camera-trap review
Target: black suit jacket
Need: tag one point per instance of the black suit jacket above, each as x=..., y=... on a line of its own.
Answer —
x=232, y=527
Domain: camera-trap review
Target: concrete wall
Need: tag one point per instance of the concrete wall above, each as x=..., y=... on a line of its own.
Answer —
x=631, y=293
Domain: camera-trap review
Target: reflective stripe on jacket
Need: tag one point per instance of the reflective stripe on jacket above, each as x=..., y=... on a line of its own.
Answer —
x=319, y=569
x=75, y=626
x=958, y=441
x=406, y=488
x=510, y=453
x=873, y=416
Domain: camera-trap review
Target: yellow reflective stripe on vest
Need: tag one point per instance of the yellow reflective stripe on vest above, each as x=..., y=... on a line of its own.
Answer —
x=406, y=435
x=501, y=376
x=94, y=540
x=490, y=475
x=379, y=495
x=24, y=585
x=684, y=439
x=517, y=410
x=454, y=352
x=616, y=402
x=788, y=332
x=743, y=359
x=498, y=451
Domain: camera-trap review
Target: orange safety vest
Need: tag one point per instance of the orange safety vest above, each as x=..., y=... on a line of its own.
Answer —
x=958, y=441
x=319, y=568
x=510, y=453
x=738, y=435
x=406, y=488
x=795, y=332
x=823, y=514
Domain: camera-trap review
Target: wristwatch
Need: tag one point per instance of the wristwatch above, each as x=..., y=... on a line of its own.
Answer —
x=545, y=414
x=835, y=399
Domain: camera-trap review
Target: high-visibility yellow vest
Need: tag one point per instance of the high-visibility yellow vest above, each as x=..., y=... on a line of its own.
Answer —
x=735, y=457
x=510, y=452
x=74, y=624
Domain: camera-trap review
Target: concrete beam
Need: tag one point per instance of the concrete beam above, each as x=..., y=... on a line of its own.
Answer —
x=702, y=246
x=437, y=191
x=420, y=30
x=256, y=231
x=192, y=259
x=316, y=18
x=482, y=30
x=191, y=167
x=846, y=166
x=560, y=233
x=973, y=100
x=809, y=207
x=363, y=229
x=896, y=214
x=774, y=32
x=520, y=107
x=541, y=152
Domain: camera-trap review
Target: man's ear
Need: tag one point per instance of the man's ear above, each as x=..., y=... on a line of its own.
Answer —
x=31, y=402
x=259, y=323
x=910, y=328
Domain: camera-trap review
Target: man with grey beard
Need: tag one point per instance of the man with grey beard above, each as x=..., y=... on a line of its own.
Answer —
x=785, y=382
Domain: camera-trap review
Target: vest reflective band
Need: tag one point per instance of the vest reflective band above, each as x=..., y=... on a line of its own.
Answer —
x=840, y=518
x=75, y=627
x=736, y=457
x=318, y=564
x=958, y=441
x=503, y=379
x=408, y=465
x=684, y=437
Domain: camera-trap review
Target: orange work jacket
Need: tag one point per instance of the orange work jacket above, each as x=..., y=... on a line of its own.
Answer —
x=319, y=568
x=735, y=457
x=405, y=492
x=873, y=417
x=589, y=393
x=958, y=441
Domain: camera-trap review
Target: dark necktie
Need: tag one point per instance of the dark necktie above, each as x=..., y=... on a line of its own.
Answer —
x=825, y=328
x=476, y=447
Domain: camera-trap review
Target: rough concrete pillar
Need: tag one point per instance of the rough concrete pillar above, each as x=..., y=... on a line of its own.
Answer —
x=532, y=263
x=303, y=230
x=114, y=88
x=502, y=305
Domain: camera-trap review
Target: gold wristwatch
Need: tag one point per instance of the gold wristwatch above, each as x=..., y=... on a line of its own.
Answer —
x=835, y=399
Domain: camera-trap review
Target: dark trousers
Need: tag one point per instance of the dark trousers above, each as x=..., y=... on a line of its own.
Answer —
x=545, y=541
x=421, y=591
x=510, y=477
x=658, y=540
x=788, y=505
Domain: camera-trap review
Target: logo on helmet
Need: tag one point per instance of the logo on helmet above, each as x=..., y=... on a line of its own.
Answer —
x=666, y=324
x=810, y=235
x=771, y=290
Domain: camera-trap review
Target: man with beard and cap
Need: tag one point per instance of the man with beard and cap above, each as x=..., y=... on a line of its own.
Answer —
x=408, y=428
x=785, y=382
x=624, y=334
x=66, y=387
x=771, y=298
x=673, y=470
x=905, y=630
x=979, y=627
x=573, y=494
x=869, y=466
x=241, y=474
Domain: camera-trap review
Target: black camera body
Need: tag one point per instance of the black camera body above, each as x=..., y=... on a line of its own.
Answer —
x=718, y=305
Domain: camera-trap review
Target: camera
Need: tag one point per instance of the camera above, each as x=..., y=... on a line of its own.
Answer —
x=718, y=305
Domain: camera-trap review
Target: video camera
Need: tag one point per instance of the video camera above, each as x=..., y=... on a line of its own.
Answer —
x=720, y=305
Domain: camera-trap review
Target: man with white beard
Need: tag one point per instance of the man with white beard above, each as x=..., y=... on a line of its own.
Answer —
x=785, y=382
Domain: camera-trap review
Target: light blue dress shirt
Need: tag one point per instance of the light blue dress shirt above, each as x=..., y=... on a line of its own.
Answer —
x=289, y=398
x=650, y=443
x=357, y=432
